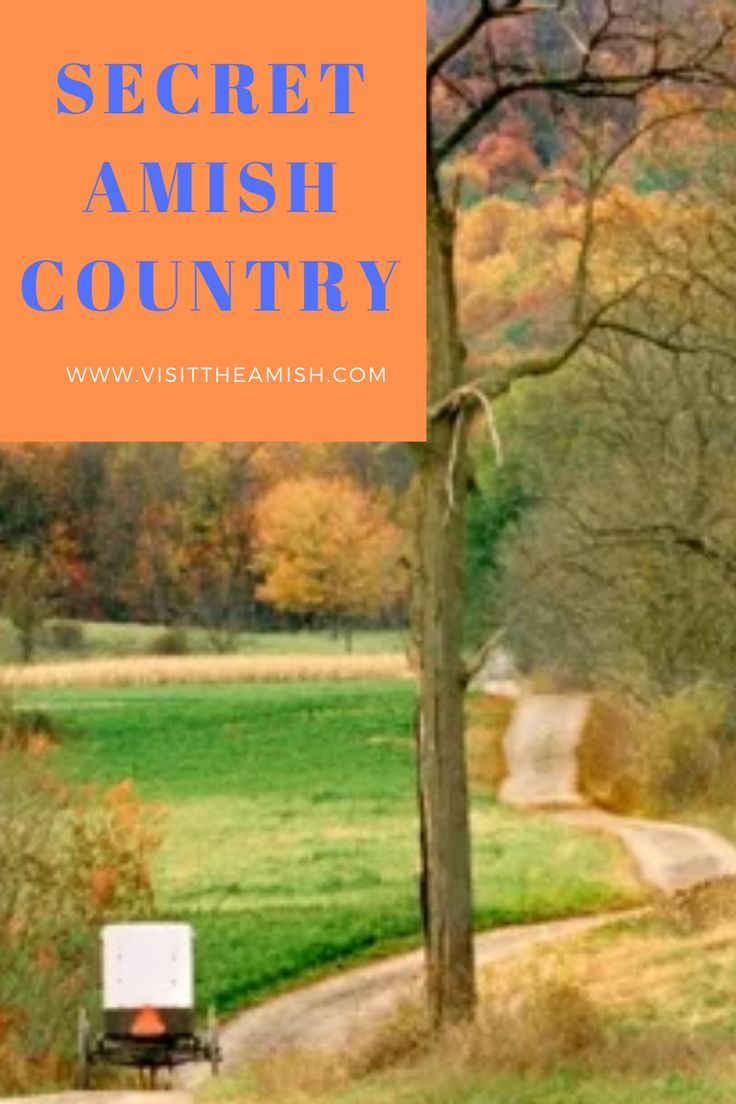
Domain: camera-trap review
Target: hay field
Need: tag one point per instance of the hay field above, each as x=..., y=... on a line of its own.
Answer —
x=166, y=670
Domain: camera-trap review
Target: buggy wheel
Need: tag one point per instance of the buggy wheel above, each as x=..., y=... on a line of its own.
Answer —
x=84, y=1050
x=214, y=1052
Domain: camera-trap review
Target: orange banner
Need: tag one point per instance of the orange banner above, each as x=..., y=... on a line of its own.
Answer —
x=214, y=222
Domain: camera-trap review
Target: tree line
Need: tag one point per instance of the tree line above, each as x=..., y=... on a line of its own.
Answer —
x=221, y=536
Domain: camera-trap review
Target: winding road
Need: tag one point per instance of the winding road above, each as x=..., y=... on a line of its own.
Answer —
x=541, y=754
x=541, y=746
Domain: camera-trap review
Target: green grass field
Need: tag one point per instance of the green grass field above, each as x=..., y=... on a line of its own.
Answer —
x=101, y=639
x=290, y=834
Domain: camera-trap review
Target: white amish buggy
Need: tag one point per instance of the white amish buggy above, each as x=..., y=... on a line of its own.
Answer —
x=148, y=1018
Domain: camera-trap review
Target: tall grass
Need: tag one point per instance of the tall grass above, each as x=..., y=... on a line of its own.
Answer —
x=640, y=1011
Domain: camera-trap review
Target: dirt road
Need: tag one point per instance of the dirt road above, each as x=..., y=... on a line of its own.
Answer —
x=541, y=747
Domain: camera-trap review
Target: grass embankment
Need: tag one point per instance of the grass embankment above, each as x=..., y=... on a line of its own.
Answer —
x=642, y=1012
x=289, y=823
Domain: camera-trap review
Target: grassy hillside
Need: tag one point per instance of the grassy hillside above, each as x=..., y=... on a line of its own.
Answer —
x=289, y=823
x=639, y=1012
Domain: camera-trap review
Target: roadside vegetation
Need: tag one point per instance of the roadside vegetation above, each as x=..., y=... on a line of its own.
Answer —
x=72, y=857
x=638, y=1011
x=671, y=757
x=675, y=756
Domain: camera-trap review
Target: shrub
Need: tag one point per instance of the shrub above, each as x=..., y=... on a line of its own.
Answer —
x=688, y=732
x=71, y=859
x=488, y=717
x=705, y=905
x=66, y=636
x=543, y=1023
x=404, y=1037
x=531, y=1020
x=24, y=729
x=658, y=757
x=170, y=642
x=613, y=765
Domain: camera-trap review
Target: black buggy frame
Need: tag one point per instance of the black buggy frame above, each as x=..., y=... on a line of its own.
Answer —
x=119, y=1046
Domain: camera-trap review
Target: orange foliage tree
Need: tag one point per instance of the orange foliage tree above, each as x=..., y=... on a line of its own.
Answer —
x=327, y=547
x=72, y=858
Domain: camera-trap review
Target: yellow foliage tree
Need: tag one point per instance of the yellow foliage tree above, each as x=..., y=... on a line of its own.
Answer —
x=326, y=546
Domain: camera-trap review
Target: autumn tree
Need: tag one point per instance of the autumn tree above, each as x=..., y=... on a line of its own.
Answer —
x=549, y=58
x=625, y=570
x=372, y=467
x=163, y=532
x=326, y=547
x=220, y=487
x=26, y=592
x=160, y=567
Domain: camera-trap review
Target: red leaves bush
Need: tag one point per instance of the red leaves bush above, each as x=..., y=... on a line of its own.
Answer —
x=71, y=858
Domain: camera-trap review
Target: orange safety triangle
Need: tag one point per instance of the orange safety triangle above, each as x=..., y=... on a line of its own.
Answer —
x=148, y=1022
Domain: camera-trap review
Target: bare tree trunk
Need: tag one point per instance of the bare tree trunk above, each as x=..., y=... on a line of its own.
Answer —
x=443, y=798
x=441, y=474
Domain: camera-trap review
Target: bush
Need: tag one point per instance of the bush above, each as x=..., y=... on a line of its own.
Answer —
x=687, y=733
x=71, y=859
x=660, y=757
x=24, y=729
x=531, y=1021
x=488, y=716
x=66, y=636
x=543, y=1023
x=170, y=642
x=705, y=905
x=612, y=761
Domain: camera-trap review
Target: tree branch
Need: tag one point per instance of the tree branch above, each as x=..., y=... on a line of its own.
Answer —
x=486, y=12
x=496, y=382
x=584, y=83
